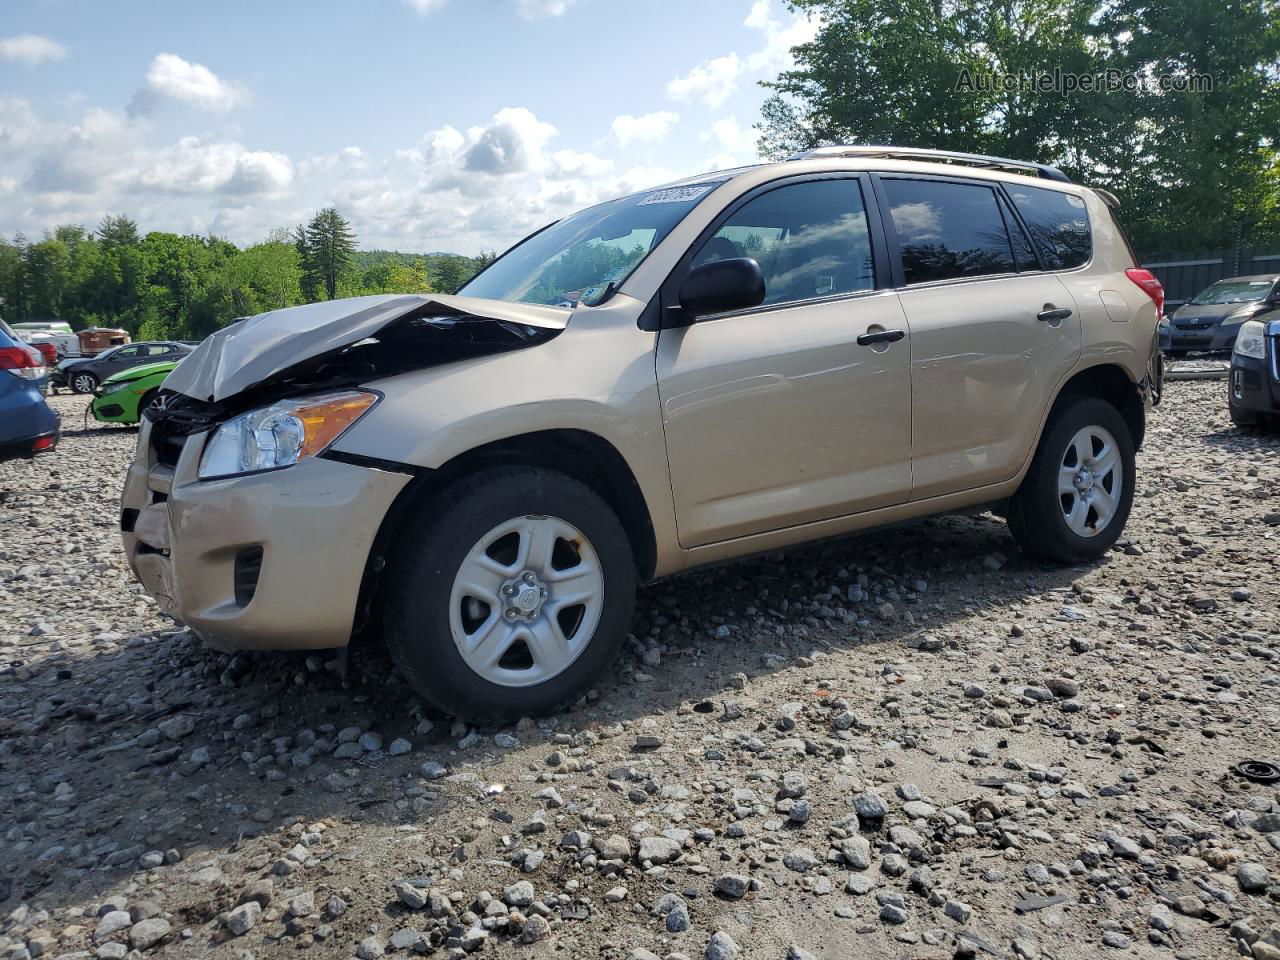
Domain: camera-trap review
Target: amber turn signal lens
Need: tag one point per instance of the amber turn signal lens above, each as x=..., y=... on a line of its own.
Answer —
x=324, y=421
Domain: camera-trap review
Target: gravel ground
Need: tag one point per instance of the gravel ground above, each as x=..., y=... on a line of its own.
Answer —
x=910, y=744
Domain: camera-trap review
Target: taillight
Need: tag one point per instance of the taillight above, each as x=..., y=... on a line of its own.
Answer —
x=47, y=442
x=1150, y=285
x=24, y=362
x=48, y=351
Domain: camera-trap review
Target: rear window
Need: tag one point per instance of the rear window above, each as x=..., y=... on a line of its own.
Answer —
x=947, y=230
x=1059, y=225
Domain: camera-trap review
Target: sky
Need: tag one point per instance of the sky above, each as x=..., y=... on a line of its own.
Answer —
x=433, y=125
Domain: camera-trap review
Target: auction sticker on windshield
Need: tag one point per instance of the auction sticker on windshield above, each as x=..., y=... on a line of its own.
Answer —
x=677, y=194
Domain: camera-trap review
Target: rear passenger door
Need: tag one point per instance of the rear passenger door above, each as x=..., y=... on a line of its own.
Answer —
x=992, y=332
x=777, y=415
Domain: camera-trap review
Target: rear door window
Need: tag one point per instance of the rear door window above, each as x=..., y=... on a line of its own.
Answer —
x=947, y=230
x=1059, y=225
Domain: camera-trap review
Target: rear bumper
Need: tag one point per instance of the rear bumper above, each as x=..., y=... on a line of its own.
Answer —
x=1253, y=383
x=28, y=447
x=25, y=417
x=267, y=561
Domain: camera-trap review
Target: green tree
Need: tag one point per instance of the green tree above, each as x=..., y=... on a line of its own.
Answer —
x=449, y=273
x=920, y=72
x=327, y=251
x=265, y=276
x=1200, y=159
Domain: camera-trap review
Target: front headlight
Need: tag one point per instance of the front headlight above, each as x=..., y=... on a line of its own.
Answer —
x=283, y=433
x=1241, y=315
x=1250, y=340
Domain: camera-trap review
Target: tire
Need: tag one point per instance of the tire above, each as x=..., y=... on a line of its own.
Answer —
x=146, y=401
x=83, y=382
x=1244, y=419
x=427, y=601
x=1038, y=512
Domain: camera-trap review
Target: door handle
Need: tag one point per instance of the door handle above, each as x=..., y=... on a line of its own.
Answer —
x=1052, y=314
x=881, y=336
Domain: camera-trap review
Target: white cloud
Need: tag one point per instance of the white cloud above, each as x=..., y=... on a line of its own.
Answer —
x=711, y=82
x=527, y=9
x=760, y=17
x=732, y=137
x=31, y=49
x=193, y=167
x=461, y=188
x=571, y=163
x=19, y=128
x=260, y=173
x=344, y=162
x=535, y=9
x=775, y=56
x=649, y=128
x=171, y=77
x=512, y=143
x=714, y=81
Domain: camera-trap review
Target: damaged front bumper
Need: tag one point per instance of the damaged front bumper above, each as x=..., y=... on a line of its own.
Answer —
x=264, y=561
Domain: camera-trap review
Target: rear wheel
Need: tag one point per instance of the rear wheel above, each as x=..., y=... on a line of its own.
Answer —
x=84, y=382
x=510, y=594
x=1074, y=502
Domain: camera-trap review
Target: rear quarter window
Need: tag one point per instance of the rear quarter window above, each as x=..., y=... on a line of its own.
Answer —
x=1059, y=225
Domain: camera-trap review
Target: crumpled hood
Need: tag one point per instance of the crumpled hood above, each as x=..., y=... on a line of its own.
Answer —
x=258, y=348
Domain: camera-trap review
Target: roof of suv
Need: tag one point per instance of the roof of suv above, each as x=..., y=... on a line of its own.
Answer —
x=906, y=159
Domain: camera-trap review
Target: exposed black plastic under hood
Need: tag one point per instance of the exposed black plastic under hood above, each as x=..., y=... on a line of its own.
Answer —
x=346, y=342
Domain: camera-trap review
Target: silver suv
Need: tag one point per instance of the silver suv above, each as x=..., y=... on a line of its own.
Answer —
x=726, y=365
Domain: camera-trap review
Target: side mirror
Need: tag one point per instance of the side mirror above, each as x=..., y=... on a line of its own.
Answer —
x=721, y=285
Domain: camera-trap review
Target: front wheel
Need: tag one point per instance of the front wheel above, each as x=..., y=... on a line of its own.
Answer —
x=148, y=400
x=1074, y=501
x=84, y=382
x=510, y=594
x=1245, y=419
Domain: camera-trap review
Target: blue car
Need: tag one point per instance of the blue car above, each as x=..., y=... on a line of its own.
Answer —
x=27, y=425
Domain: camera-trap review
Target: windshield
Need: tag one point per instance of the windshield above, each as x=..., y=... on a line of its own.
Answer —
x=1234, y=291
x=585, y=256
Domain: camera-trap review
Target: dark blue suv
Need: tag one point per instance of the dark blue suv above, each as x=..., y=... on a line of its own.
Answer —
x=27, y=425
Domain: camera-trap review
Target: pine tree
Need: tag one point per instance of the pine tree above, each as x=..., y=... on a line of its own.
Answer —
x=309, y=281
x=118, y=231
x=327, y=252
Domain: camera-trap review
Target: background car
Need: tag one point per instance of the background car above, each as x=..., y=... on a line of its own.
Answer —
x=1254, y=394
x=27, y=425
x=123, y=397
x=1211, y=320
x=84, y=375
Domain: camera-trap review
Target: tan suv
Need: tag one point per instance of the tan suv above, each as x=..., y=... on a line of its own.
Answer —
x=723, y=366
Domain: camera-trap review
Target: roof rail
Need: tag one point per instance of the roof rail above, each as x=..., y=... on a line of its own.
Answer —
x=935, y=156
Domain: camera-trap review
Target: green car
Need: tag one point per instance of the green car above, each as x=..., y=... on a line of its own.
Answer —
x=123, y=397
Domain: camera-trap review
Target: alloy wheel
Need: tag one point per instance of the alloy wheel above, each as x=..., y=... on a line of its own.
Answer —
x=526, y=601
x=1090, y=481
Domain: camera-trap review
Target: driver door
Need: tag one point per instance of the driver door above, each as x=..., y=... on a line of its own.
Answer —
x=777, y=415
